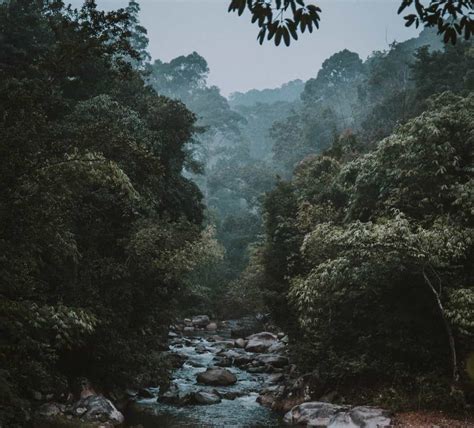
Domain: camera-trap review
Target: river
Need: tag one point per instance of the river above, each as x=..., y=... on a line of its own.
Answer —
x=238, y=406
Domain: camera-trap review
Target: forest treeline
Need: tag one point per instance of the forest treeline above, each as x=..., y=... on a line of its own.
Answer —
x=133, y=191
x=99, y=227
x=367, y=255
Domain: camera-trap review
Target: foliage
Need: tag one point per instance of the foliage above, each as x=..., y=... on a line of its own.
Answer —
x=380, y=279
x=100, y=230
x=452, y=18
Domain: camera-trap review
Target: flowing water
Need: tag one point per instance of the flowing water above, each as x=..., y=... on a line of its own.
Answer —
x=240, y=409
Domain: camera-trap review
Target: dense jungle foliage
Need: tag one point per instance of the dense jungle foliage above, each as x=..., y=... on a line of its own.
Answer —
x=368, y=248
x=99, y=227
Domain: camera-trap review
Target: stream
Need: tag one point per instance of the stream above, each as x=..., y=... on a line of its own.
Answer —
x=237, y=406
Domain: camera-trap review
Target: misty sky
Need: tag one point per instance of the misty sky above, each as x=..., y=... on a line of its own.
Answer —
x=239, y=63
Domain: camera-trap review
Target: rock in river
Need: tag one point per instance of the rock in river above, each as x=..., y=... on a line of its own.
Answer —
x=178, y=394
x=260, y=342
x=207, y=398
x=211, y=326
x=217, y=377
x=200, y=321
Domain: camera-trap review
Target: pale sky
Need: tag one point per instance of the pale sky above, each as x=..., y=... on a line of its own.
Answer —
x=236, y=60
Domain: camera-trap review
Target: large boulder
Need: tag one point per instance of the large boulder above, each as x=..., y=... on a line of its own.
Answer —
x=217, y=377
x=200, y=321
x=314, y=414
x=260, y=342
x=97, y=408
x=333, y=416
x=206, y=398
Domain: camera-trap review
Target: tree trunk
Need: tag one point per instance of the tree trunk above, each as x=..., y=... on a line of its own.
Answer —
x=447, y=326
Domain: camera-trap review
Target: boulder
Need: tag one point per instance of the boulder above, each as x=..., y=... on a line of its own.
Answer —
x=229, y=353
x=333, y=416
x=206, y=398
x=177, y=394
x=215, y=338
x=200, y=321
x=242, y=360
x=97, y=408
x=260, y=342
x=370, y=417
x=211, y=326
x=314, y=414
x=217, y=377
x=277, y=347
x=222, y=362
x=240, y=343
x=187, y=330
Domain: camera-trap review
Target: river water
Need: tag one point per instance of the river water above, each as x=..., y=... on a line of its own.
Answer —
x=238, y=407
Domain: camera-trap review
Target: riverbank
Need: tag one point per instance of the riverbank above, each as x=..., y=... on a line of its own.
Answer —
x=229, y=374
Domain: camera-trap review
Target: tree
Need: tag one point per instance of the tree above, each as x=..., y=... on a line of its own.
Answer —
x=388, y=231
x=283, y=19
x=99, y=228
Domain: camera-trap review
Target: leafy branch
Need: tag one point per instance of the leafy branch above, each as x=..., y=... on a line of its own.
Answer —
x=282, y=19
x=271, y=18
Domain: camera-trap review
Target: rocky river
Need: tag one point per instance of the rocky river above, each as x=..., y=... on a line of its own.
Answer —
x=218, y=382
x=225, y=375
x=225, y=378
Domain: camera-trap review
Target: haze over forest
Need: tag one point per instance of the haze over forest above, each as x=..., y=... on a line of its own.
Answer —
x=238, y=63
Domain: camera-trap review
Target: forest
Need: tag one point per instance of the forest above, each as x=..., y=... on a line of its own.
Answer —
x=325, y=228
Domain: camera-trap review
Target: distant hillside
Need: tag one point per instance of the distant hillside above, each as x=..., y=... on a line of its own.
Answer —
x=290, y=91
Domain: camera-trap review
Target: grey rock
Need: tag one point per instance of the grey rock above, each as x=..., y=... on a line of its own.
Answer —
x=98, y=409
x=314, y=414
x=200, y=321
x=240, y=343
x=211, y=326
x=178, y=394
x=370, y=417
x=329, y=415
x=217, y=377
x=277, y=347
x=260, y=342
x=206, y=398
